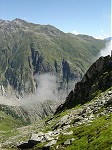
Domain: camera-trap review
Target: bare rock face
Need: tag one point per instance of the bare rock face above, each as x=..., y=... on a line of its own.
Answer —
x=98, y=78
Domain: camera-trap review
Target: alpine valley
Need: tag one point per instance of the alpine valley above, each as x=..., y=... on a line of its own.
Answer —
x=55, y=92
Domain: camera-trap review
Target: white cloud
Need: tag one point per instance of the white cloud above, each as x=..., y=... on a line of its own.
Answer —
x=102, y=35
x=75, y=32
x=107, y=50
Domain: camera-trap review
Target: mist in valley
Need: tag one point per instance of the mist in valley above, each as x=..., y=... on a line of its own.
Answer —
x=106, y=50
x=48, y=89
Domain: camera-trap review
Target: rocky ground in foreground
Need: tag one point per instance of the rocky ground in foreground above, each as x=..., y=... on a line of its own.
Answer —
x=85, y=126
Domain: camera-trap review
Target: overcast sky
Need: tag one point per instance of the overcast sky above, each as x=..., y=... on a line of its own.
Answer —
x=91, y=17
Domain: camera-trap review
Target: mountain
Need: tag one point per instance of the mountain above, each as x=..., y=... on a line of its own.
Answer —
x=108, y=39
x=97, y=79
x=27, y=49
x=83, y=124
x=32, y=57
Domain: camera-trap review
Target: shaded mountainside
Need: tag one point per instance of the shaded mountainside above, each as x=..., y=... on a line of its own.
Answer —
x=27, y=49
x=97, y=79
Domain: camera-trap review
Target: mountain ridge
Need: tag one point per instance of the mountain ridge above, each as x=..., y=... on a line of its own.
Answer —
x=32, y=48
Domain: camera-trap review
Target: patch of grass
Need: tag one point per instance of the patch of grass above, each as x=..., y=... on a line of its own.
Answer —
x=95, y=136
x=8, y=126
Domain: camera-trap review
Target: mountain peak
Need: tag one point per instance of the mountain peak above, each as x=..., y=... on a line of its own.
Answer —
x=20, y=21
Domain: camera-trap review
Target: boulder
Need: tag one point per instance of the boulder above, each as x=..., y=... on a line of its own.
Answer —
x=56, y=132
x=66, y=127
x=64, y=119
x=67, y=142
x=48, y=138
x=53, y=142
x=40, y=134
x=91, y=117
x=35, y=137
x=68, y=133
x=109, y=92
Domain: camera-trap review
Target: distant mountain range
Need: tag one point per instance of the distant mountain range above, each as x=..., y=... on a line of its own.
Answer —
x=27, y=49
x=108, y=39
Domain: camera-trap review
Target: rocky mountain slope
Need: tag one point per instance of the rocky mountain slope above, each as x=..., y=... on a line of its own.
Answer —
x=28, y=52
x=83, y=125
x=27, y=49
x=98, y=78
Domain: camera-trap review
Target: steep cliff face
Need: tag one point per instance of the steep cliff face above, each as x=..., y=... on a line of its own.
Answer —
x=27, y=49
x=97, y=79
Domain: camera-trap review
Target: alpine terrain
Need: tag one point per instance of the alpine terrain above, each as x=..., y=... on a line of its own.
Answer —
x=39, y=107
x=32, y=56
x=83, y=121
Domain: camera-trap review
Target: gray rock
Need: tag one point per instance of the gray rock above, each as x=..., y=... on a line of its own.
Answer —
x=67, y=142
x=68, y=133
x=56, y=132
x=66, y=127
x=109, y=92
x=64, y=119
x=35, y=137
x=40, y=134
x=101, y=114
x=53, y=142
x=91, y=117
x=72, y=139
x=88, y=110
x=49, y=133
x=48, y=138
x=59, y=130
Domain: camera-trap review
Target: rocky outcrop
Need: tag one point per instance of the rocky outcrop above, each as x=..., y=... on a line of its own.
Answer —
x=98, y=78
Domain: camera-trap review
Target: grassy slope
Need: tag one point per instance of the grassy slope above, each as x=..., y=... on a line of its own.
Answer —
x=96, y=135
x=79, y=51
x=8, y=126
